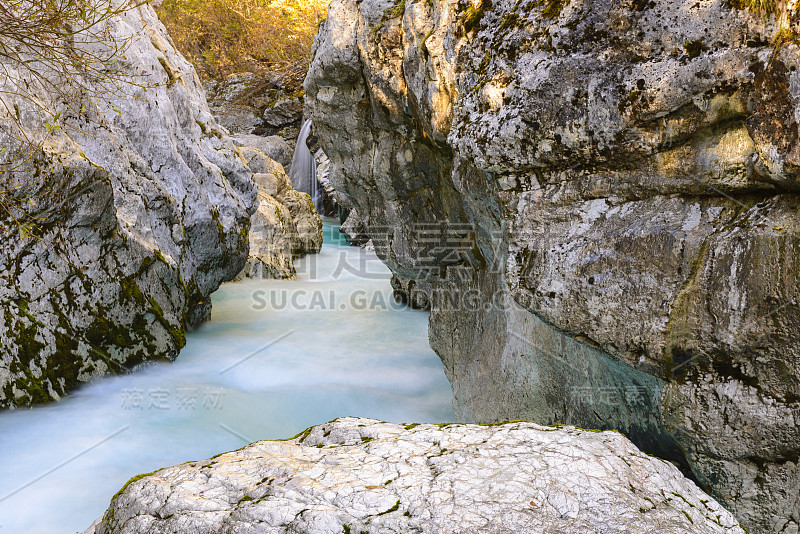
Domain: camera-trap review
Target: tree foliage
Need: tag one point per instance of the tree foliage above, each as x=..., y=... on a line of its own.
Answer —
x=223, y=37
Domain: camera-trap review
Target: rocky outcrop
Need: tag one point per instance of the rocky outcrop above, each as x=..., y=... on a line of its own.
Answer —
x=135, y=209
x=603, y=196
x=285, y=225
x=414, y=294
x=254, y=103
x=274, y=146
x=361, y=475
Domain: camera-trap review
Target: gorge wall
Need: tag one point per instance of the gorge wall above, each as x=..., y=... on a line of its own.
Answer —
x=128, y=216
x=603, y=197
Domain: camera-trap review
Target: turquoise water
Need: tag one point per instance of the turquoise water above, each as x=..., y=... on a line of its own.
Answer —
x=277, y=357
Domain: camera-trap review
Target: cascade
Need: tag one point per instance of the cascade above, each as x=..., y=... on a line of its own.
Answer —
x=303, y=172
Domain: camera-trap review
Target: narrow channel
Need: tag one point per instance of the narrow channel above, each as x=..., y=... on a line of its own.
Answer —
x=277, y=356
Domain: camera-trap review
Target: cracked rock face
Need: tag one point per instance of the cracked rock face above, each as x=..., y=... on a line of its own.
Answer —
x=137, y=216
x=285, y=225
x=603, y=197
x=362, y=475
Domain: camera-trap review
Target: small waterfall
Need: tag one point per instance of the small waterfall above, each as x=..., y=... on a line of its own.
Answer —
x=303, y=172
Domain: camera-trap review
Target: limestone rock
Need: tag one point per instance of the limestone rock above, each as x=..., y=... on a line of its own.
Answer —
x=603, y=197
x=361, y=475
x=283, y=227
x=135, y=217
x=252, y=103
x=353, y=227
x=306, y=219
x=284, y=112
x=229, y=102
x=273, y=146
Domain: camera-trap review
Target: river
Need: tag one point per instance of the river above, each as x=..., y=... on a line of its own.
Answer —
x=276, y=357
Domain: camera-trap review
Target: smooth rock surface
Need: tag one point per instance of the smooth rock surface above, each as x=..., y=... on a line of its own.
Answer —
x=603, y=196
x=274, y=146
x=285, y=225
x=136, y=217
x=362, y=475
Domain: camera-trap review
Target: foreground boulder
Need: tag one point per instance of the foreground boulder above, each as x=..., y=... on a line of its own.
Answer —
x=128, y=216
x=603, y=197
x=361, y=475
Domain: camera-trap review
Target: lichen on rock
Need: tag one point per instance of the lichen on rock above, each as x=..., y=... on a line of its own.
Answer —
x=362, y=475
x=140, y=207
x=614, y=186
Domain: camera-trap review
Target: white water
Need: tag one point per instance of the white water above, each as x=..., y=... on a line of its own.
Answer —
x=303, y=172
x=369, y=359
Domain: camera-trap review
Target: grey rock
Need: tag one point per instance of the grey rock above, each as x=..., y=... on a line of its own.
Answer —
x=353, y=227
x=230, y=103
x=611, y=192
x=284, y=112
x=283, y=227
x=274, y=146
x=361, y=475
x=138, y=215
x=414, y=294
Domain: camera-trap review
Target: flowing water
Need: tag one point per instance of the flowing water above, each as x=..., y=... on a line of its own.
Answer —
x=303, y=172
x=277, y=357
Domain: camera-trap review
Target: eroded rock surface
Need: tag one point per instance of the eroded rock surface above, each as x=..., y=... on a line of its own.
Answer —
x=361, y=475
x=603, y=196
x=131, y=221
x=285, y=225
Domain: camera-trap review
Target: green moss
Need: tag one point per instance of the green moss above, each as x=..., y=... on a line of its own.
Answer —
x=759, y=7
x=300, y=436
x=410, y=426
x=506, y=422
x=695, y=48
x=688, y=516
x=129, y=482
x=246, y=498
x=390, y=13
x=394, y=12
x=471, y=18
x=552, y=8
x=366, y=439
x=172, y=77
x=783, y=37
x=390, y=510
x=679, y=328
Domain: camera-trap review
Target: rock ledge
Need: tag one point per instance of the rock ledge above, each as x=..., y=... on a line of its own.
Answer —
x=362, y=475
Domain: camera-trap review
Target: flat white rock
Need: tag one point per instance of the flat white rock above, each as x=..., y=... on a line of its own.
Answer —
x=360, y=475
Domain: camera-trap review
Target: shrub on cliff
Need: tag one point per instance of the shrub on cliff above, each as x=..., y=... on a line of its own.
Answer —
x=222, y=37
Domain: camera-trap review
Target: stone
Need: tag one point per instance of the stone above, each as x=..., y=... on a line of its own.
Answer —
x=230, y=103
x=284, y=227
x=136, y=208
x=362, y=475
x=415, y=294
x=274, y=146
x=603, y=197
x=284, y=112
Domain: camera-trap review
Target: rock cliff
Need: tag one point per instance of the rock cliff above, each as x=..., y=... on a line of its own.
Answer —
x=361, y=475
x=603, y=197
x=135, y=209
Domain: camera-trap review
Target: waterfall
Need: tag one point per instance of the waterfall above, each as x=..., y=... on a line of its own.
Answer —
x=303, y=172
